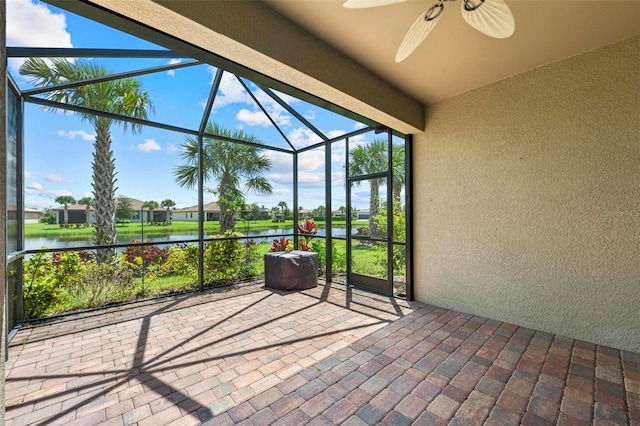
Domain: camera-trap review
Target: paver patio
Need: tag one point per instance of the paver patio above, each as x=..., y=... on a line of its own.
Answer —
x=322, y=356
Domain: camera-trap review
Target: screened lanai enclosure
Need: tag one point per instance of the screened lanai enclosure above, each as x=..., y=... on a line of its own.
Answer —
x=140, y=166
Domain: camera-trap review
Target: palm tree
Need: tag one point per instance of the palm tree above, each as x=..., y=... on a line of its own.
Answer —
x=122, y=97
x=366, y=159
x=167, y=204
x=234, y=166
x=88, y=203
x=151, y=205
x=283, y=206
x=398, y=172
x=372, y=158
x=274, y=213
x=342, y=209
x=65, y=200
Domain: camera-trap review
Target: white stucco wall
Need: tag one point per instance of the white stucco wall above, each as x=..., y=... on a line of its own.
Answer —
x=528, y=196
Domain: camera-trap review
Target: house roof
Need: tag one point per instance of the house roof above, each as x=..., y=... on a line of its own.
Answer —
x=135, y=205
x=209, y=207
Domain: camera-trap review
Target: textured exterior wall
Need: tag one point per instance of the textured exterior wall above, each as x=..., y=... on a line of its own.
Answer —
x=3, y=198
x=527, y=199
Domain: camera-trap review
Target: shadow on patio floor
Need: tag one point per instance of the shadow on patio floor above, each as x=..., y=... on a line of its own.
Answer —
x=187, y=357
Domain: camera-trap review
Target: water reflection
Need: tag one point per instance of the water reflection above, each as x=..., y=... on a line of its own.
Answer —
x=258, y=236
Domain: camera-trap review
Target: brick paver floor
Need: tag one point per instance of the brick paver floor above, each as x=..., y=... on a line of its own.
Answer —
x=323, y=356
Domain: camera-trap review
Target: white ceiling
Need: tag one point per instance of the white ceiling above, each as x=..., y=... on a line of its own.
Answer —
x=455, y=58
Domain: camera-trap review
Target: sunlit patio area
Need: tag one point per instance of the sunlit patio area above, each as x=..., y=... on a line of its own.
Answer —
x=455, y=229
x=256, y=356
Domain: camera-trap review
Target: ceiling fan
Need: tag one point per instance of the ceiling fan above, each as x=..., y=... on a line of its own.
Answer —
x=490, y=17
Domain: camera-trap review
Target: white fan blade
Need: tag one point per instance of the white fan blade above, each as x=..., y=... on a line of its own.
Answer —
x=359, y=4
x=493, y=18
x=416, y=34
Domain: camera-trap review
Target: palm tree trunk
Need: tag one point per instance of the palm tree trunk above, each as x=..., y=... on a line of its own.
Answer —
x=227, y=211
x=227, y=201
x=373, y=210
x=104, y=192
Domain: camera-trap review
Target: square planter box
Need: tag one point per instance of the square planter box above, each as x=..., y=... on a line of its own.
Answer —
x=292, y=270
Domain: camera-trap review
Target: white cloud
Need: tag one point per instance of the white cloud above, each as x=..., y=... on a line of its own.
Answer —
x=288, y=99
x=310, y=115
x=301, y=137
x=253, y=118
x=72, y=134
x=281, y=191
x=149, y=145
x=36, y=189
x=27, y=174
x=171, y=148
x=331, y=134
x=230, y=90
x=312, y=160
x=172, y=62
x=33, y=24
x=359, y=126
x=34, y=186
x=53, y=178
x=280, y=160
x=310, y=168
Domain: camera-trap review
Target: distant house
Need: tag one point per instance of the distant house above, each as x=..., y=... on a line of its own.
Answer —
x=305, y=213
x=78, y=213
x=362, y=214
x=190, y=214
x=32, y=215
x=357, y=214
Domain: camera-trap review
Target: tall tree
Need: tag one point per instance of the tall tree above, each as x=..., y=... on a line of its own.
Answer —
x=167, y=204
x=151, y=205
x=234, y=166
x=398, y=172
x=65, y=200
x=87, y=202
x=372, y=158
x=284, y=207
x=274, y=213
x=124, y=210
x=122, y=97
x=366, y=159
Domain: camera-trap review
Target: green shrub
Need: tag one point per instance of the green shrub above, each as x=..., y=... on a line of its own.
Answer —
x=223, y=258
x=182, y=261
x=339, y=260
x=41, y=291
x=101, y=283
x=251, y=256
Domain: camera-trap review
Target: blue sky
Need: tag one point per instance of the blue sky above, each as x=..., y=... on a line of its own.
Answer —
x=58, y=145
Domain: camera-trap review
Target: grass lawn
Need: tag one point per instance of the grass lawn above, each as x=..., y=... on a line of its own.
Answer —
x=367, y=259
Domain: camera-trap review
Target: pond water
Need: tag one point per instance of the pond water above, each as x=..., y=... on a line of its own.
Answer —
x=258, y=236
